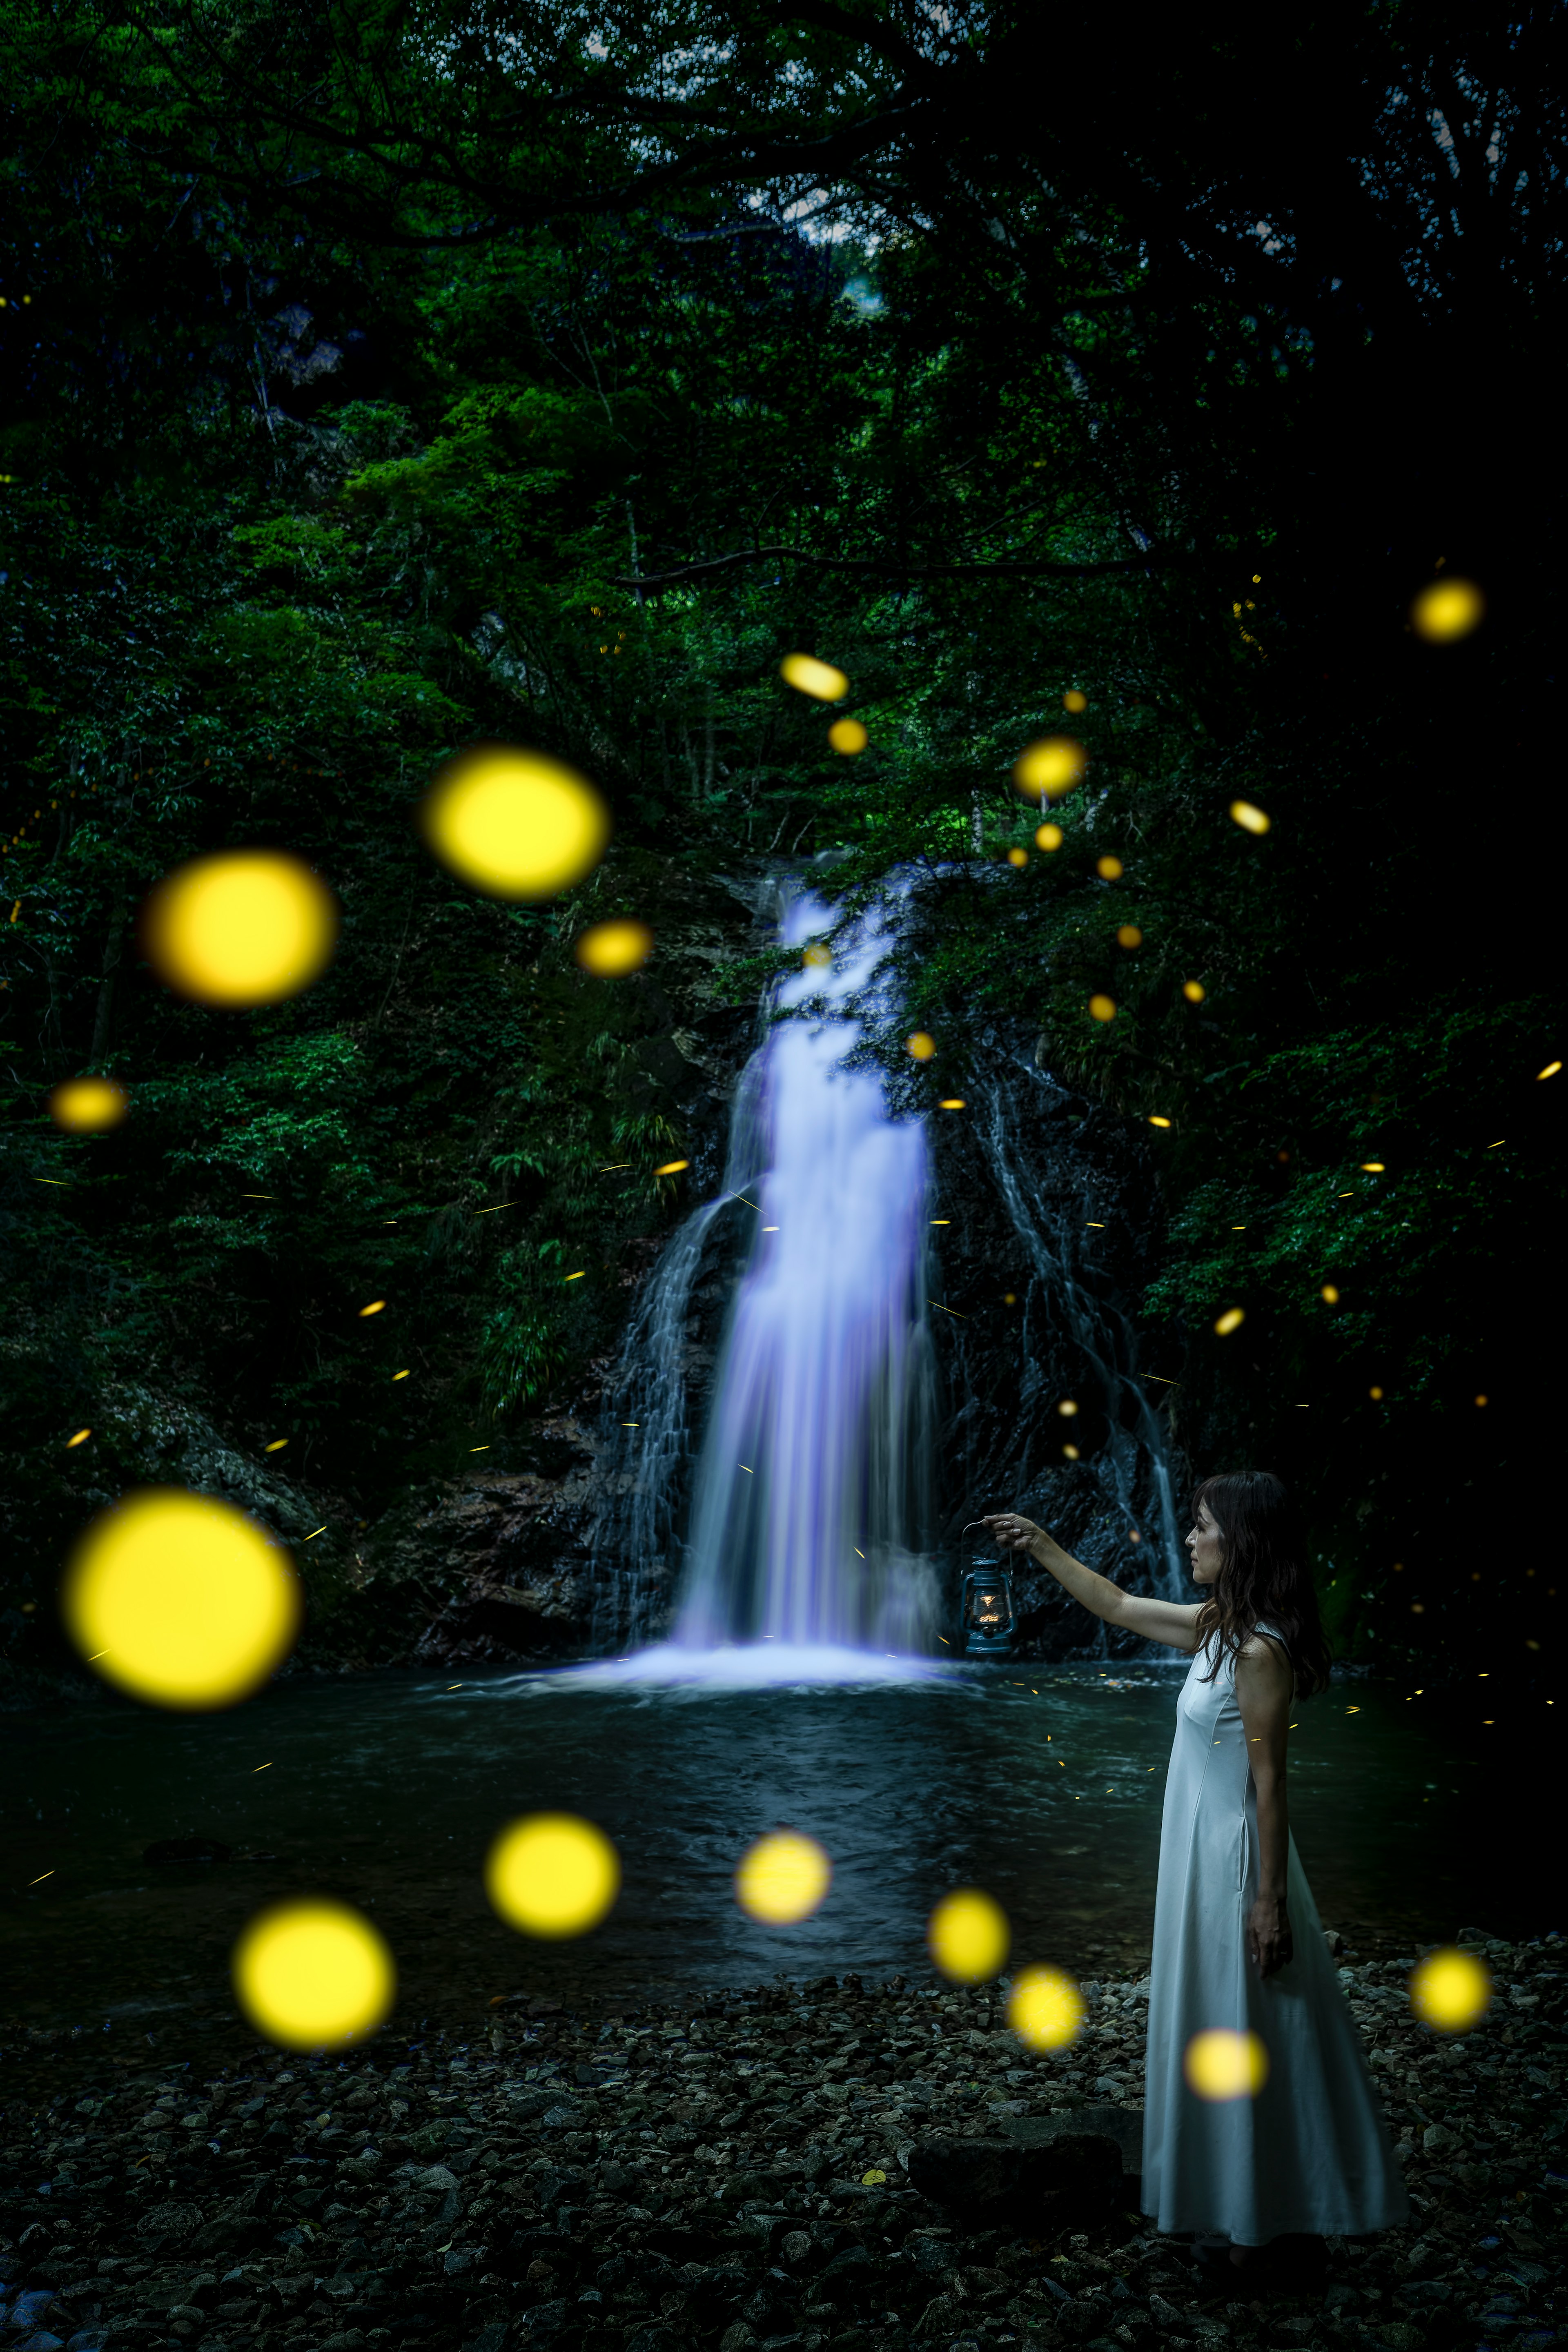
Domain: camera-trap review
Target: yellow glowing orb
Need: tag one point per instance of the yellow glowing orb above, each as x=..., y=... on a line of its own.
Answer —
x=1017, y=858
x=969, y=1935
x=179, y=1599
x=611, y=949
x=921, y=1046
x=817, y=958
x=1046, y=770
x=672, y=1167
x=1156, y=1120
x=809, y=676
x=1449, y=609
x=242, y=926
x=314, y=1974
x=1109, y=869
x=1045, y=2009
x=514, y=822
x=1550, y=1071
x=1222, y=2065
x=1231, y=1320
x=1074, y=700
x=847, y=734
x=1129, y=936
x=1049, y=836
x=1250, y=819
x=1451, y=1990
x=85, y=1104
x=1102, y=1007
x=1329, y=1293
x=950, y=1102
x=782, y=1878
x=553, y=1875
x=1193, y=990
x=1068, y=1407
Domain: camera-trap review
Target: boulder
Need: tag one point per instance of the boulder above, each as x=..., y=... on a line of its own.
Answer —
x=1074, y=2176
x=1123, y=2124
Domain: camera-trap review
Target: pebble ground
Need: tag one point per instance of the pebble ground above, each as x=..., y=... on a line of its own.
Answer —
x=729, y=2172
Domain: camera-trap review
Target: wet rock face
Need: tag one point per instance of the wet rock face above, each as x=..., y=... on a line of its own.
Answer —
x=1054, y=1222
x=572, y=2181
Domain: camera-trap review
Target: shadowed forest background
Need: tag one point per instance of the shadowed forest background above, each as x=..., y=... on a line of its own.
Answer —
x=376, y=379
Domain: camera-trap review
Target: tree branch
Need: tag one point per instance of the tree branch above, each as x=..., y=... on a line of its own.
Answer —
x=889, y=567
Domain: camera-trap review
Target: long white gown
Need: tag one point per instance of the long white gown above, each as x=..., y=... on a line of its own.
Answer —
x=1310, y=2152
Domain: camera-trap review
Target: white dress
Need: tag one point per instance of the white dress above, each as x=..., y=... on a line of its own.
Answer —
x=1310, y=2152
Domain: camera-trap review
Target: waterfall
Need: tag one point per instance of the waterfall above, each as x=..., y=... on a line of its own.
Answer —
x=812, y=1499
x=811, y=1521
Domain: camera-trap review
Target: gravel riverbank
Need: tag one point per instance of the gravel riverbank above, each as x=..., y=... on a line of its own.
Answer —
x=742, y=2170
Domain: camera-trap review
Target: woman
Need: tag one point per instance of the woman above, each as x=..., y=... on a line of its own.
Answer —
x=1237, y=1943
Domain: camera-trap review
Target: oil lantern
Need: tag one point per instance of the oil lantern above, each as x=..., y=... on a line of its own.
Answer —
x=989, y=1619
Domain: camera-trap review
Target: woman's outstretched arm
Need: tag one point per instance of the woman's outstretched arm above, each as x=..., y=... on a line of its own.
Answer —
x=1174, y=1622
x=1264, y=1685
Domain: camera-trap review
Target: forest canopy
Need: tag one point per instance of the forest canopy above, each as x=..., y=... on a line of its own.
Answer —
x=379, y=379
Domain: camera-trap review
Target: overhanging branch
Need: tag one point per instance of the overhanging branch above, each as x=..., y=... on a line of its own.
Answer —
x=890, y=567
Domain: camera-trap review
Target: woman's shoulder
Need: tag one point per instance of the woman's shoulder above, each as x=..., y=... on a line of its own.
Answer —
x=1266, y=1647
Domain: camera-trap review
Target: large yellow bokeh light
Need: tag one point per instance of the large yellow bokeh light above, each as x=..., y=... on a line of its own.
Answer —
x=609, y=950
x=969, y=1935
x=1451, y=1990
x=514, y=822
x=314, y=1974
x=1045, y=2009
x=1447, y=610
x=1046, y=770
x=1223, y=2065
x=87, y=1106
x=553, y=1875
x=242, y=926
x=782, y=1878
x=809, y=676
x=179, y=1599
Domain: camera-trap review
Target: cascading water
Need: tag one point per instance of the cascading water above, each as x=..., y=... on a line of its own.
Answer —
x=812, y=1499
x=811, y=1512
x=812, y=1484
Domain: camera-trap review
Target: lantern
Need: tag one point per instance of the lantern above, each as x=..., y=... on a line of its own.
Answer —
x=989, y=1618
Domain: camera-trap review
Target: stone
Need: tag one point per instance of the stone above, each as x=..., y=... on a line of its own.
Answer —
x=1123, y=2124
x=169, y=2222
x=1075, y=2175
x=940, y=2320
x=546, y=2322
x=1400, y=2335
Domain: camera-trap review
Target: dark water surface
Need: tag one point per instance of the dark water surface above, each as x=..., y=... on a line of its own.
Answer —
x=386, y=1789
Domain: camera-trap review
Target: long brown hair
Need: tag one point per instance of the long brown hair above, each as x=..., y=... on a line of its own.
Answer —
x=1263, y=1578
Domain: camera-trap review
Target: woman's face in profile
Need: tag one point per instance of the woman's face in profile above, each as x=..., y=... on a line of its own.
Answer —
x=1204, y=1548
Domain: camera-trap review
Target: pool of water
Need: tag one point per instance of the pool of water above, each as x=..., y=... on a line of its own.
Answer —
x=386, y=1789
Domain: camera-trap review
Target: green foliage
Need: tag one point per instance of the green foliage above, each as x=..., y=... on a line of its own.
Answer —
x=378, y=384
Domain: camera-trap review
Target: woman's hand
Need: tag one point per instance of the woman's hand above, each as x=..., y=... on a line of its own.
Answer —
x=1008, y=1530
x=1270, y=1944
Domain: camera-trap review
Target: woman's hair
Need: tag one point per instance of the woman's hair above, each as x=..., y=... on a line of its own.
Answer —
x=1264, y=1578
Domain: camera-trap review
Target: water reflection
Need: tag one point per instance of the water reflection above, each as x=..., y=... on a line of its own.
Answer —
x=387, y=1790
